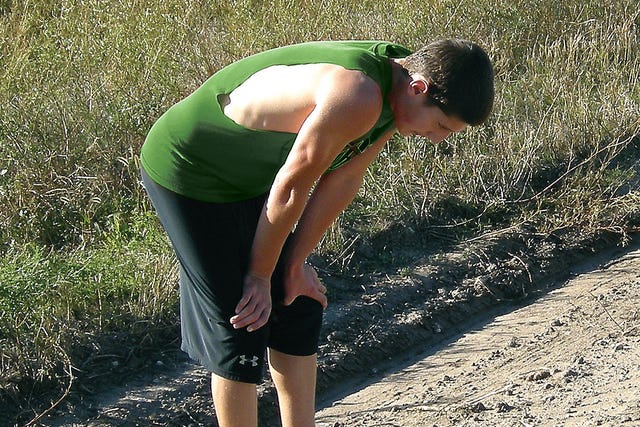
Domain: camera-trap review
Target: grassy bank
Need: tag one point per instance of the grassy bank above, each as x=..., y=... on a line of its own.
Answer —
x=81, y=83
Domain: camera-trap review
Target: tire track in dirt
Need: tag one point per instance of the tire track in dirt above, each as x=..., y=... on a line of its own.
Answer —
x=570, y=358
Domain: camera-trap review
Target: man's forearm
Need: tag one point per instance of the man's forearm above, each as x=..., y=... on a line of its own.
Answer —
x=280, y=213
x=330, y=197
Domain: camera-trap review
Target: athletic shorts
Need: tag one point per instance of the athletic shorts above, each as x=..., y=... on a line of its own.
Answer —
x=212, y=242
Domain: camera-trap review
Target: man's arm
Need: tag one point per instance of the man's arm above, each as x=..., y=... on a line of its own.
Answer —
x=333, y=193
x=347, y=105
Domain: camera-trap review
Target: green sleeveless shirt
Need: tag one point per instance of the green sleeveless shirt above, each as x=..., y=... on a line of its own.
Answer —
x=195, y=150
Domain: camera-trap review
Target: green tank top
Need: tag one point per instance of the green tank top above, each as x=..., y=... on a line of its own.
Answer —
x=195, y=150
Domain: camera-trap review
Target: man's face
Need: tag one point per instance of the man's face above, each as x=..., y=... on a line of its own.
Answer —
x=415, y=116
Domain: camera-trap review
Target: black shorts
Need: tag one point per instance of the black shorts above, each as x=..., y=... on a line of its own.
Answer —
x=212, y=242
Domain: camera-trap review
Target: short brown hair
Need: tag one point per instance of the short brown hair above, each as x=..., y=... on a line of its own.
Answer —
x=461, y=78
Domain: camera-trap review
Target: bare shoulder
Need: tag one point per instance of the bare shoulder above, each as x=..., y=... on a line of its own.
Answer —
x=351, y=86
x=350, y=97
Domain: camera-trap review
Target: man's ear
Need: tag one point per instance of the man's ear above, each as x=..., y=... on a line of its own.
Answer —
x=418, y=85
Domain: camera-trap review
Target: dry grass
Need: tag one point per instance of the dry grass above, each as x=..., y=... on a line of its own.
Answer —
x=81, y=82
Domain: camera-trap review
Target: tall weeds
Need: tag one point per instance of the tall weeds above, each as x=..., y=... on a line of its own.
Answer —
x=82, y=82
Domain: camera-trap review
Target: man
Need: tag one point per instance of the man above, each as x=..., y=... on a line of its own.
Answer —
x=276, y=140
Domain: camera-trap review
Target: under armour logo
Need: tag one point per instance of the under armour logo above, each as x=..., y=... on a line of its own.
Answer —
x=253, y=360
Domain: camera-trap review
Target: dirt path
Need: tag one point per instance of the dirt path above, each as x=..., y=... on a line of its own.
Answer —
x=571, y=358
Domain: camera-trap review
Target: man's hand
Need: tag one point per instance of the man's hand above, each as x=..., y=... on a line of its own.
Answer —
x=303, y=280
x=254, y=307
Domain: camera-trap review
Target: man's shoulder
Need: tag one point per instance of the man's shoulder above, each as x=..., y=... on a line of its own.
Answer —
x=353, y=85
x=351, y=100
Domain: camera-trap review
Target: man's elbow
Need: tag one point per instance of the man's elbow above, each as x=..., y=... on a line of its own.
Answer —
x=289, y=190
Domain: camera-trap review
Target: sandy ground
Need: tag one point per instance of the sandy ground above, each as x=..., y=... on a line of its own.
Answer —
x=569, y=358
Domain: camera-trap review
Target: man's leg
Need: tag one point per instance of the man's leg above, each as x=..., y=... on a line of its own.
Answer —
x=295, y=380
x=236, y=402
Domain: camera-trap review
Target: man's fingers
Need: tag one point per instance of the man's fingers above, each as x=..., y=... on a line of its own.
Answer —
x=256, y=318
x=253, y=309
x=242, y=304
x=322, y=299
x=320, y=296
x=247, y=312
x=288, y=300
x=245, y=307
x=262, y=320
x=317, y=293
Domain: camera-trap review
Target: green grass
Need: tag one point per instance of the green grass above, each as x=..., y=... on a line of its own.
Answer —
x=82, y=82
x=56, y=304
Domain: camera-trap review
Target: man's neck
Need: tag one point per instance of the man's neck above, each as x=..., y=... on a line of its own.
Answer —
x=399, y=79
